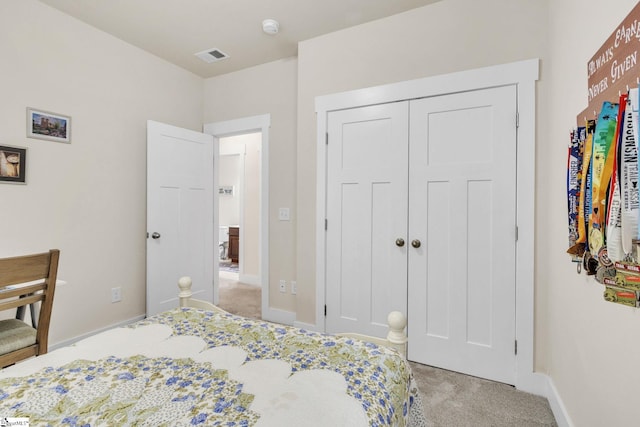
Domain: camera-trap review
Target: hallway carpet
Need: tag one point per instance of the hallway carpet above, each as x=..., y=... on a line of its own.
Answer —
x=239, y=298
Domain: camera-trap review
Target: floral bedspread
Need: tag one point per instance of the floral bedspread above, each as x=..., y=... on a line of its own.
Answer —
x=191, y=367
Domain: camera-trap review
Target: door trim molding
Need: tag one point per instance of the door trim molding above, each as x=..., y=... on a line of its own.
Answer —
x=524, y=75
x=260, y=123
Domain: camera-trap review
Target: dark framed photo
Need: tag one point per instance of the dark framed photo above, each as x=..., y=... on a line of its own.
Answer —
x=50, y=126
x=13, y=164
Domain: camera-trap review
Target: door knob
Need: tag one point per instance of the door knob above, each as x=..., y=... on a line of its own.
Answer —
x=155, y=235
x=399, y=242
x=415, y=243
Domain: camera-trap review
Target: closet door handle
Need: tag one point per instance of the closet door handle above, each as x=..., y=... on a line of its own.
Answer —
x=399, y=242
x=415, y=243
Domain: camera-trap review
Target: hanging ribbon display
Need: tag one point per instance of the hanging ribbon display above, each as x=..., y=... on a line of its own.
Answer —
x=601, y=169
x=614, y=208
x=603, y=199
x=629, y=179
x=581, y=247
x=584, y=210
x=608, y=219
x=574, y=185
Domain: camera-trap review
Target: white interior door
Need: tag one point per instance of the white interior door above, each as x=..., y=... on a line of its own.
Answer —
x=180, y=214
x=462, y=196
x=366, y=274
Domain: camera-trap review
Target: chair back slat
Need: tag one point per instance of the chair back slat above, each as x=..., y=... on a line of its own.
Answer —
x=20, y=302
x=8, y=293
x=42, y=269
x=24, y=269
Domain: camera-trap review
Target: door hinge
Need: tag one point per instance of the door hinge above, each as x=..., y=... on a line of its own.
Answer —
x=326, y=224
x=515, y=347
x=517, y=233
x=517, y=120
x=325, y=309
x=326, y=138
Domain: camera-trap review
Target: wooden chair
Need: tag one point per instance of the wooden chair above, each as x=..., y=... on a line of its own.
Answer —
x=35, y=277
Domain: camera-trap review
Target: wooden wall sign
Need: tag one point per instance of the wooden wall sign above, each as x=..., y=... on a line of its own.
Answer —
x=614, y=68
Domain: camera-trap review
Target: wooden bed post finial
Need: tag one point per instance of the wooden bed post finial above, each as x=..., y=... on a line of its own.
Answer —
x=185, y=290
x=396, y=336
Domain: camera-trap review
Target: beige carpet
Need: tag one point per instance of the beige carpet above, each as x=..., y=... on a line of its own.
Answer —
x=453, y=399
x=239, y=298
x=450, y=399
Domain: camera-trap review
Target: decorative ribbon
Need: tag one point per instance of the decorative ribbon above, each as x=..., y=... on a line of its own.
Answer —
x=574, y=184
x=602, y=169
x=613, y=239
x=587, y=184
x=589, y=263
x=629, y=178
x=634, y=102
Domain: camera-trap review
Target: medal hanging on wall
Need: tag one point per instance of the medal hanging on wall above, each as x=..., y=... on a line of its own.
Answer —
x=589, y=263
x=630, y=203
x=634, y=107
x=613, y=238
x=574, y=184
x=611, y=250
x=601, y=169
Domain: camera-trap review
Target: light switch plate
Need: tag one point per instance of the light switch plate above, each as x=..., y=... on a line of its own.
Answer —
x=284, y=214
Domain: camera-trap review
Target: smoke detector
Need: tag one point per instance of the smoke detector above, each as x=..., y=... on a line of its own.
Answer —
x=211, y=55
x=270, y=26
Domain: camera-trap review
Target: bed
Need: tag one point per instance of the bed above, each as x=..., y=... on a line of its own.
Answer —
x=198, y=365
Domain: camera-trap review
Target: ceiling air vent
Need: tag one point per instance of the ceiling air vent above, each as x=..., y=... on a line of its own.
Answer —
x=212, y=55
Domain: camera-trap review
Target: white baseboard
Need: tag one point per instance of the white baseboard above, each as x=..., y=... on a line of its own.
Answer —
x=307, y=326
x=557, y=406
x=278, y=316
x=249, y=279
x=97, y=331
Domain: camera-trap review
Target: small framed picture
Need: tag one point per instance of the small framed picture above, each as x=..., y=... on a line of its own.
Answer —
x=49, y=126
x=13, y=164
x=225, y=190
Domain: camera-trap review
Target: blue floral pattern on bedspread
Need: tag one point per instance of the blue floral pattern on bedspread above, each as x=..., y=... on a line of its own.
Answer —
x=367, y=368
x=157, y=391
x=133, y=391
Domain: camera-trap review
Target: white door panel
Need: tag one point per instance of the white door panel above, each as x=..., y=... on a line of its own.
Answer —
x=180, y=211
x=366, y=213
x=441, y=172
x=462, y=197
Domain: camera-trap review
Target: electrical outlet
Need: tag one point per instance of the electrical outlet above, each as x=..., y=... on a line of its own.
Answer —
x=294, y=287
x=283, y=286
x=116, y=294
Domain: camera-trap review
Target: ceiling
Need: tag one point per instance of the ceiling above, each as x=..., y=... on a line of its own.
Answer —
x=177, y=29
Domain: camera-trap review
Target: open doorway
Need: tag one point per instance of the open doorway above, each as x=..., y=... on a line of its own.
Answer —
x=239, y=223
x=241, y=209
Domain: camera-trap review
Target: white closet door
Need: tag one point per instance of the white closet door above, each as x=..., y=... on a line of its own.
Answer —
x=367, y=174
x=462, y=208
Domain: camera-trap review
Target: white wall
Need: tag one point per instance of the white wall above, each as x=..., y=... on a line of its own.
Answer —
x=87, y=198
x=592, y=344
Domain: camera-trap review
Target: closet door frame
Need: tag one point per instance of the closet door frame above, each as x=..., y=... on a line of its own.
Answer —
x=524, y=74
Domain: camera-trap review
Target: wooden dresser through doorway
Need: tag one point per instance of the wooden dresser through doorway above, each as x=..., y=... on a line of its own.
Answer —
x=234, y=243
